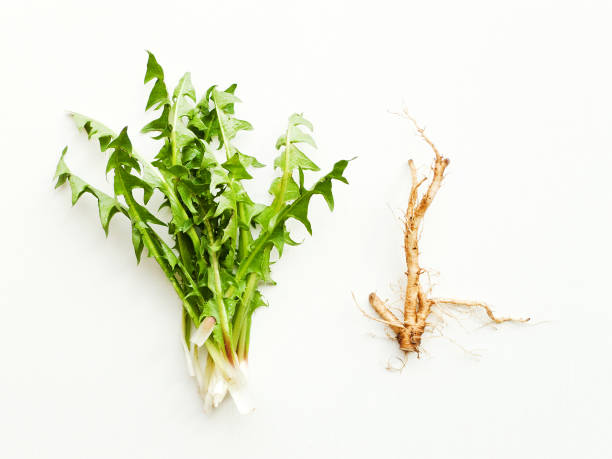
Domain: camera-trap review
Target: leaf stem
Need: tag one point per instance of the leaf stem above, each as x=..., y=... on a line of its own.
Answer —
x=245, y=238
x=218, y=294
x=144, y=229
x=168, y=191
x=184, y=251
x=280, y=197
x=219, y=358
x=245, y=340
x=245, y=304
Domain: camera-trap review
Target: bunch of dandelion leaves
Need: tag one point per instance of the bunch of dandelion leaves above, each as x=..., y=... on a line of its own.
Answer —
x=222, y=240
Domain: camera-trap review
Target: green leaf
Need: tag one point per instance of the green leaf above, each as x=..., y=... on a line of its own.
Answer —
x=178, y=171
x=238, y=164
x=158, y=96
x=279, y=237
x=231, y=230
x=227, y=201
x=257, y=301
x=169, y=255
x=184, y=88
x=236, y=168
x=229, y=127
x=94, y=129
x=298, y=119
x=292, y=192
x=225, y=127
x=159, y=125
x=251, y=210
x=61, y=171
x=107, y=205
x=295, y=159
x=218, y=176
x=260, y=263
x=180, y=135
x=122, y=154
x=132, y=182
x=154, y=70
x=209, y=161
x=231, y=89
x=296, y=135
x=124, y=185
x=78, y=187
x=299, y=211
x=137, y=242
x=249, y=161
x=240, y=125
x=189, y=191
x=223, y=98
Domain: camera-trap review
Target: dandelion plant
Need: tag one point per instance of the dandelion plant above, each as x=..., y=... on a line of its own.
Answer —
x=223, y=243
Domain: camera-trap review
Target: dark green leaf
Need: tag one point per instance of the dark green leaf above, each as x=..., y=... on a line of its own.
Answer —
x=137, y=242
x=158, y=96
x=159, y=125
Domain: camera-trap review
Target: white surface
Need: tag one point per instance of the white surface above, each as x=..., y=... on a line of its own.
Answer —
x=517, y=94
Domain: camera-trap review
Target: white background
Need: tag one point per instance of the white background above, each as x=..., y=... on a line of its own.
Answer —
x=517, y=94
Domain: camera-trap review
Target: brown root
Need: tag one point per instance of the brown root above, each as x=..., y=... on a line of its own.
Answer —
x=417, y=304
x=379, y=306
x=474, y=304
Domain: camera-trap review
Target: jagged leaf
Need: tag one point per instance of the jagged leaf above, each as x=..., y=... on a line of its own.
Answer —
x=251, y=210
x=296, y=135
x=94, y=129
x=180, y=135
x=291, y=192
x=224, y=98
x=293, y=158
x=158, y=95
x=298, y=119
x=159, y=125
x=154, y=70
x=108, y=206
x=184, y=89
x=299, y=211
x=137, y=242
x=236, y=167
x=279, y=237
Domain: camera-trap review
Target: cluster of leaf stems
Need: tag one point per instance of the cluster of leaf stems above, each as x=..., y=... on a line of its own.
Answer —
x=223, y=240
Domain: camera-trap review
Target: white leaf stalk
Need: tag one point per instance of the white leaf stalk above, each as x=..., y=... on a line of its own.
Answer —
x=188, y=359
x=215, y=381
x=203, y=331
x=239, y=391
x=216, y=390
